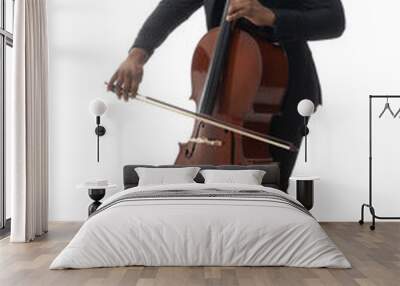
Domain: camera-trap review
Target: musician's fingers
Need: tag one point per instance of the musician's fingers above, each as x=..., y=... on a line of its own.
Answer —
x=110, y=84
x=118, y=87
x=134, y=89
x=136, y=80
x=126, y=87
x=237, y=15
x=235, y=6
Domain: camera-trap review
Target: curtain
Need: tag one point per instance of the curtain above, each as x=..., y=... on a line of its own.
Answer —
x=27, y=123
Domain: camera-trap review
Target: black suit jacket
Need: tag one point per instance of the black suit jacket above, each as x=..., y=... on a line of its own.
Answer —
x=297, y=21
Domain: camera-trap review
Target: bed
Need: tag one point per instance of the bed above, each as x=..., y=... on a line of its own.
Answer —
x=201, y=224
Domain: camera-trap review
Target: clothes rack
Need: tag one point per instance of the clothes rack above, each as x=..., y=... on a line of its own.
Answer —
x=370, y=203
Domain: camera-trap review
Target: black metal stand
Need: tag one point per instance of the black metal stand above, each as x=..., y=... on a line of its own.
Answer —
x=370, y=204
x=305, y=139
x=100, y=131
x=305, y=133
x=96, y=195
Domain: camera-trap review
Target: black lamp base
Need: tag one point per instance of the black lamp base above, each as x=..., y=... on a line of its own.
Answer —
x=305, y=193
x=96, y=195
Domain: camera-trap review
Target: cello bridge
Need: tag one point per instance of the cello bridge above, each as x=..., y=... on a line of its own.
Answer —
x=206, y=141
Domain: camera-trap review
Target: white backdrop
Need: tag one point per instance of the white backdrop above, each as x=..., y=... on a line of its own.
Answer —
x=88, y=39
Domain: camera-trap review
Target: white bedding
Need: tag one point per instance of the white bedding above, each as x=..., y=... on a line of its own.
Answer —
x=200, y=231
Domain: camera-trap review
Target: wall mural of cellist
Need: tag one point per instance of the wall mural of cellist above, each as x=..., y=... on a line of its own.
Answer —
x=249, y=72
x=207, y=141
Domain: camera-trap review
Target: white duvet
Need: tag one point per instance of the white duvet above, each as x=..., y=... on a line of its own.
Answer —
x=202, y=232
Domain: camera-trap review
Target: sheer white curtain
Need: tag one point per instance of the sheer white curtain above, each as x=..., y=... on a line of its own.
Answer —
x=27, y=162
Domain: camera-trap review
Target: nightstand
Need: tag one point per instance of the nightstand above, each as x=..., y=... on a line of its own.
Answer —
x=96, y=193
x=305, y=190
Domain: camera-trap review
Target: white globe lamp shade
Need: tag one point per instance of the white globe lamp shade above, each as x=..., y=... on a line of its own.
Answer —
x=306, y=108
x=97, y=107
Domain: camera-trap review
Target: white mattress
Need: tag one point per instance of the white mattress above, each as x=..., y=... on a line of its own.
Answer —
x=200, y=232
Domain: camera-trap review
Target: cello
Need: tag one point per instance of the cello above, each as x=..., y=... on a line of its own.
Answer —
x=238, y=84
x=239, y=79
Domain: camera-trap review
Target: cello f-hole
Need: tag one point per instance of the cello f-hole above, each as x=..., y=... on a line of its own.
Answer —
x=189, y=153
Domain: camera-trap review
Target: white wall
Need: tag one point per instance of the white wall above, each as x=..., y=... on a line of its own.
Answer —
x=88, y=39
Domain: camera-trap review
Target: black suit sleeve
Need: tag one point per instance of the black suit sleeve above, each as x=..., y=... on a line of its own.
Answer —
x=315, y=20
x=168, y=15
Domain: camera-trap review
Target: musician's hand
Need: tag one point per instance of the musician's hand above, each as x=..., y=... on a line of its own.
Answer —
x=129, y=75
x=252, y=10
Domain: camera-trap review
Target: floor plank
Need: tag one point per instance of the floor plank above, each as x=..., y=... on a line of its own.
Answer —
x=375, y=257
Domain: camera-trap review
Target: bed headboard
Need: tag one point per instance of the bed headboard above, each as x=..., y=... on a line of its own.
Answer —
x=271, y=177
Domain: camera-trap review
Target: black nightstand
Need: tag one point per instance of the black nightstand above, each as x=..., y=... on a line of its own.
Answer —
x=96, y=193
x=305, y=190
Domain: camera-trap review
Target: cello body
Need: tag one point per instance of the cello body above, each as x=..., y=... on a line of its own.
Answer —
x=239, y=79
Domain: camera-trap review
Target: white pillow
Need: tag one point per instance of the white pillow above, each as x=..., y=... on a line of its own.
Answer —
x=246, y=177
x=166, y=176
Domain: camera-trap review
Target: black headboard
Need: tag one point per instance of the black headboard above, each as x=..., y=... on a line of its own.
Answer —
x=271, y=177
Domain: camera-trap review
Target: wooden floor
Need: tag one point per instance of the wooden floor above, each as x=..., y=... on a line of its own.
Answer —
x=375, y=257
